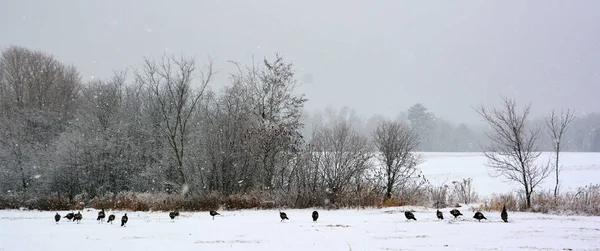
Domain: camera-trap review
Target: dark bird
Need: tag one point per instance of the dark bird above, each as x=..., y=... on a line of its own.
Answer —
x=283, y=216
x=111, y=218
x=504, y=214
x=77, y=217
x=70, y=216
x=455, y=213
x=57, y=218
x=409, y=215
x=213, y=213
x=101, y=216
x=124, y=220
x=174, y=214
x=315, y=215
x=439, y=215
x=479, y=216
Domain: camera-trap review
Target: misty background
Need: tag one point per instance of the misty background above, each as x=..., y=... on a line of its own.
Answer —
x=378, y=58
x=88, y=109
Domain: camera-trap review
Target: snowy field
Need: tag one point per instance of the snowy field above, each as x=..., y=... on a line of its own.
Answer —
x=369, y=229
x=579, y=169
x=372, y=229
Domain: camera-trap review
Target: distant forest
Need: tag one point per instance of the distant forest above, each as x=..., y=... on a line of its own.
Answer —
x=159, y=127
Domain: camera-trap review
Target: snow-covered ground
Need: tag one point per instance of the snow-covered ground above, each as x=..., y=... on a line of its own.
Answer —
x=371, y=229
x=579, y=169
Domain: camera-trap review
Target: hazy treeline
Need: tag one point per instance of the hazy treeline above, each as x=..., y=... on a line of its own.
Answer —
x=159, y=128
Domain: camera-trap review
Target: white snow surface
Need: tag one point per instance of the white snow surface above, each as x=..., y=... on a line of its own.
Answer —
x=578, y=169
x=365, y=229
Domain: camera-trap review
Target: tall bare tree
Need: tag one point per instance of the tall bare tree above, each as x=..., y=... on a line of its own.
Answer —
x=396, y=143
x=513, y=149
x=37, y=99
x=341, y=153
x=276, y=109
x=169, y=82
x=557, y=126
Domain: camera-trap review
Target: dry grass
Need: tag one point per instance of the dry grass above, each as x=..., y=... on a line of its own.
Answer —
x=584, y=201
x=393, y=202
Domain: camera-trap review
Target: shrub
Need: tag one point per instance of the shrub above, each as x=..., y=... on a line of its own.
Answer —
x=463, y=191
x=438, y=196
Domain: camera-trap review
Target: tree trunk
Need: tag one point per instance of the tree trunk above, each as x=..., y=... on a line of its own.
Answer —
x=556, y=172
x=388, y=192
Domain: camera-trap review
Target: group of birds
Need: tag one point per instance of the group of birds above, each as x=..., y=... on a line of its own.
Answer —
x=76, y=217
x=454, y=212
x=101, y=215
x=315, y=215
x=175, y=213
x=283, y=216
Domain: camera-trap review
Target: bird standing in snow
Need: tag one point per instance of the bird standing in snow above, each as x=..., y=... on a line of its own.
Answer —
x=57, y=218
x=77, y=217
x=479, y=216
x=409, y=215
x=315, y=215
x=124, y=220
x=70, y=216
x=504, y=214
x=213, y=213
x=101, y=216
x=173, y=214
x=455, y=213
x=111, y=218
x=439, y=215
x=283, y=216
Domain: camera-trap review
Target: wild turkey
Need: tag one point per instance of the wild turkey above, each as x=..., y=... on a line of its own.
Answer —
x=213, y=213
x=77, y=217
x=57, y=218
x=124, y=220
x=70, y=216
x=283, y=216
x=439, y=215
x=101, y=216
x=173, y=214
x=455, y=213
x=111, y=218
x=315, y=215
x=504, y=214
x=479, y=216
x=409, y=215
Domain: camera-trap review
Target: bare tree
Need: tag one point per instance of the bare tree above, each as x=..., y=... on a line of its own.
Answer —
x=396, y=143
x=37, y=99
x=341, y=153
x=557, y=126
x=513, y=149
x=169, y=82
x=275, y=108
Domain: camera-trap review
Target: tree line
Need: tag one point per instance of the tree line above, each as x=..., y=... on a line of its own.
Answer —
x=159, y=128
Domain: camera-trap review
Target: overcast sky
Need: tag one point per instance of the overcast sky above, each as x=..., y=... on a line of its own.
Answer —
x=374, y=56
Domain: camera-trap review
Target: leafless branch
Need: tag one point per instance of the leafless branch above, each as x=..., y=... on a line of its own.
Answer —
x=513, y=148
x=557, y=126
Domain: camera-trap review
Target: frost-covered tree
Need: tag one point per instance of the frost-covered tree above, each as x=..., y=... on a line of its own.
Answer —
x=174, y=100
x=396, y=144
x=38, y=97
x=341, y=154
x=557, y=127
x=273, y=137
